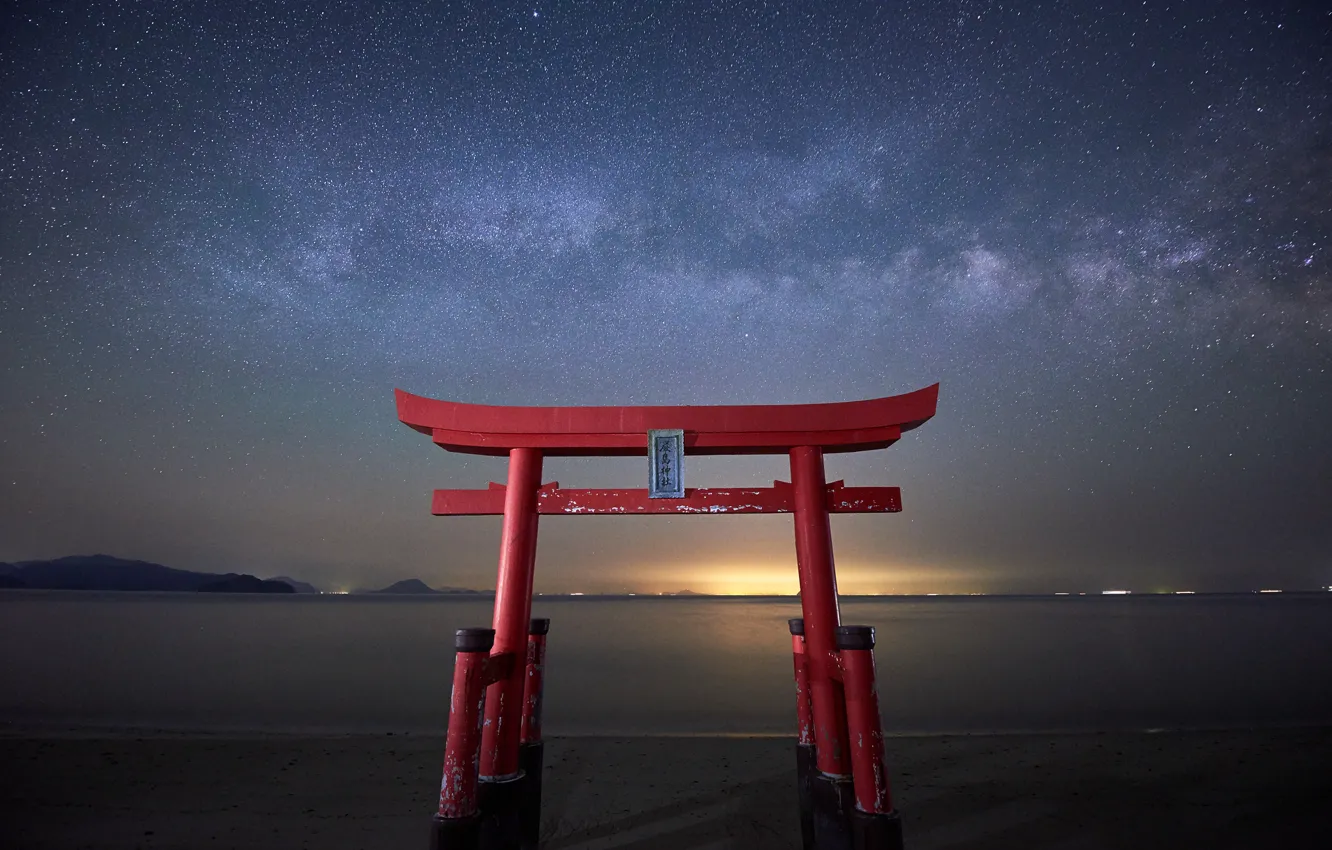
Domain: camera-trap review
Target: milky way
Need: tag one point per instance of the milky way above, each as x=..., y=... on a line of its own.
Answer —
x=227, y=234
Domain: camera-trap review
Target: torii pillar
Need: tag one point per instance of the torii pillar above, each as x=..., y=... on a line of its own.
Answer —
x=490, y=793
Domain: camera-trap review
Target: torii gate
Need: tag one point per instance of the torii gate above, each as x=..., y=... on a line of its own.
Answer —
x=490, y=795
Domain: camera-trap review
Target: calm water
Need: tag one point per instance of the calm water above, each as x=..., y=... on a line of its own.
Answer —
x=664, y=666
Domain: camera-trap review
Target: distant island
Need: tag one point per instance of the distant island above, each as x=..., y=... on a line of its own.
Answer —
x=104, y=572
x=410, y=585
x=245, y=584
x=298, y=586
x=415, y=586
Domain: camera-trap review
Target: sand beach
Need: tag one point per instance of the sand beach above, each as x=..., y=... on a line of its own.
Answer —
x=1215, y=789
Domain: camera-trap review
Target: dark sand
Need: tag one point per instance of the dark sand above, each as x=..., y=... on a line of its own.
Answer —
x=1241, y=789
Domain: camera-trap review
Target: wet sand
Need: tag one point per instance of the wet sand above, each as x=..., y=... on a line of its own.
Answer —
x=1133, y=790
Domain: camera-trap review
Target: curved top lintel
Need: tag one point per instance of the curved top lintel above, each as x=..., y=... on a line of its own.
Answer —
x=490, y=429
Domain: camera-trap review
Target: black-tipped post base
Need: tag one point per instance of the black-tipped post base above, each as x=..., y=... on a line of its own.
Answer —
x=876, y=831
x=530, y=758
x=805, y=770
x=501, y=813
x=834, y=801
x=455, y=833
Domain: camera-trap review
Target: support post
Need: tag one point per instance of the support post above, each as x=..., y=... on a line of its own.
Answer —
x=875, y=825
x=805, y=757
x=832, y=788
x=500, y=774
x=456, y=822
x=531, y=753
x=513, y=611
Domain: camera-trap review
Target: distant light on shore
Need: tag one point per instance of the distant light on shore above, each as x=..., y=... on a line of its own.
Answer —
x=1115, y=592
x=1269, y=591
x=1183, y=592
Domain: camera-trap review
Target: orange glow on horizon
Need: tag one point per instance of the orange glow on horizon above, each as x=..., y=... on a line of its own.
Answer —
x=729, y=578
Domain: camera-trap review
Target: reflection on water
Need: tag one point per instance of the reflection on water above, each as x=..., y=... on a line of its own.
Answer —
x=664, y=665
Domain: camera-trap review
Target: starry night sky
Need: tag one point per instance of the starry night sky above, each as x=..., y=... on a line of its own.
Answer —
x=229, y=230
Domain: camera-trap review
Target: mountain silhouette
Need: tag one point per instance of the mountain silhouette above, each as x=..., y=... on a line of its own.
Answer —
x=416, y=586
x=245, y=584
x=410, y=585
x=298, y=586
x=105, y=572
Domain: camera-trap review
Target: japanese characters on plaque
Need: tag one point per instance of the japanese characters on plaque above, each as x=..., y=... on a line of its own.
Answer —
x=666, y=464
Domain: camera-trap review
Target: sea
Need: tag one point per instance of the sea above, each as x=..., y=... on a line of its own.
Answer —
x=328, y=664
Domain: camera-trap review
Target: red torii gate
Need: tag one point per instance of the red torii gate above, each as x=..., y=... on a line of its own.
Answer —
x=498, y=671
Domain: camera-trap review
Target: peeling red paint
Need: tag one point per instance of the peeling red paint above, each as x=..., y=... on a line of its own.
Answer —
x=804, y=714
x=551, y=499
x=457, y=791
x=862, y=713
x=533, y=688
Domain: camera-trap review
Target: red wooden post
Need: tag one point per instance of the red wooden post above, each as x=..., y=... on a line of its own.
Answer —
x=534, y=681
x=532, y=750
x=830, y=790
x=805, y=757
x=513, y=612
x=862, y=718
x=456, y=820
x=818, y=602
x=804, y=717
x=875, y=824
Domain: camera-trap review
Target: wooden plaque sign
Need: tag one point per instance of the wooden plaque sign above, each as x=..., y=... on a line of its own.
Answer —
x=666, y=464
